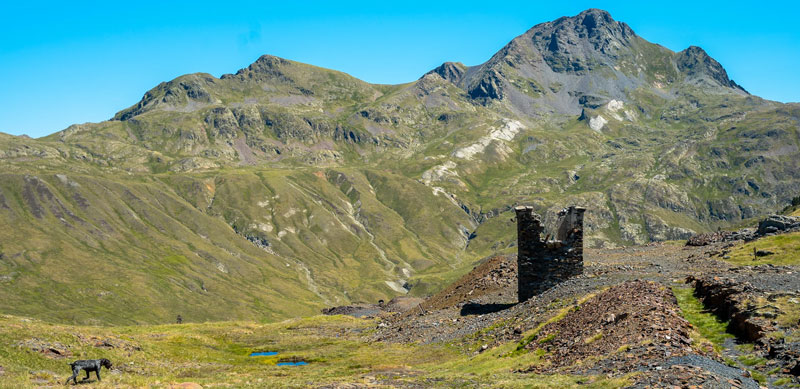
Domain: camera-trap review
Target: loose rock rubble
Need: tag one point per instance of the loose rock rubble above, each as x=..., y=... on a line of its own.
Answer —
x=709, y=238
x=624, y=329
x=694, y=371
x=774, y=224
x=729, y=300
x=54, y=350
x=738, y=302
x=109, y=342
x=631, y=326
x=395, y=305
x=788, y=354
x=497, y=274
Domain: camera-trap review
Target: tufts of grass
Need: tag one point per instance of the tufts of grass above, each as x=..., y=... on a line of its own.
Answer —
x=214, y=354
x=786, y=249
x=759, y=377
x=594, y=338
x=751, y=360
x=708, y=327
x=548, y=338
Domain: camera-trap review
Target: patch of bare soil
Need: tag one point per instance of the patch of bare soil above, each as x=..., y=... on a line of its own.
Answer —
x=623, y=329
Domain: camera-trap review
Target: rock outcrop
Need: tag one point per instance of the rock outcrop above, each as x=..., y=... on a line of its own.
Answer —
x=778, y=223
x=699, y=67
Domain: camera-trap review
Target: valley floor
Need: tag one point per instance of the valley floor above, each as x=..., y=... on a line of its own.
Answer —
x=491, y=342
x=36, y=354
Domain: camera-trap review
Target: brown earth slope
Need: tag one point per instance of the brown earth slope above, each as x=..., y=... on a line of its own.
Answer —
x=632, y=325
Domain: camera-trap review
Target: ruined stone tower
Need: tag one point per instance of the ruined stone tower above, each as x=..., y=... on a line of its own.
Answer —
x=542, y=264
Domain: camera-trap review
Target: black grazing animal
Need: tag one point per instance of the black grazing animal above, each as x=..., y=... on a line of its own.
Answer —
x=87, y=365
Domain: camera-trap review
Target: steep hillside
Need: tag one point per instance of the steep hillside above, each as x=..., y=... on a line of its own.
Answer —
x=228, y=244
x=285, y=187
x=633, y=319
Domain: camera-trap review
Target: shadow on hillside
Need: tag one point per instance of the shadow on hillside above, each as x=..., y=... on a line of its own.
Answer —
x=482, y=309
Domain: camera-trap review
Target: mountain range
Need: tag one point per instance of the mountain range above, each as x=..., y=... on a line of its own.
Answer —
x=284, y=187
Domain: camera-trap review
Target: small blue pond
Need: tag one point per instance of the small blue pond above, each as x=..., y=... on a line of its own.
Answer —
x=263, y=353
x=301, y=363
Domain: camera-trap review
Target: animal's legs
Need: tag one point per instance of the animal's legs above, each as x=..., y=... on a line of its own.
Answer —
x=74, y=374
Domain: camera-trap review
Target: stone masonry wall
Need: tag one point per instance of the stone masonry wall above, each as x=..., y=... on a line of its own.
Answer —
x=543, y=263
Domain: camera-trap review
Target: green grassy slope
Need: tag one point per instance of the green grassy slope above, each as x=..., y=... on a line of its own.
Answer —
x=227, y=197
x=217, y=353
x=232, y=244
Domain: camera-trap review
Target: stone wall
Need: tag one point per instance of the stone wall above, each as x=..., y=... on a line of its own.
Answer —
x=543, y=263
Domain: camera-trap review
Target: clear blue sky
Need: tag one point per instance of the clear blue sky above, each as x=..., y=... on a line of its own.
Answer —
x=65, y=62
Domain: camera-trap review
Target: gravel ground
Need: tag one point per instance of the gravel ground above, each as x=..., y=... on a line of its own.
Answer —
x=468, y=313
x=694, y=370
x=480, y=311
x=633, y=324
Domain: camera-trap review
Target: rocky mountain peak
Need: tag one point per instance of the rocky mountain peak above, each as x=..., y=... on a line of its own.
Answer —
x=555, y=66
x=187, y=89
x=450, y=71
x=579, y=43
x=701, y=69
x=563, y=54
x=266, y=63
x=595, y=19
x=264, y=68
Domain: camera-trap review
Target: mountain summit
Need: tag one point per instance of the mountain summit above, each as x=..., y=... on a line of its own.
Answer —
x=568, y=64
x=227, y=197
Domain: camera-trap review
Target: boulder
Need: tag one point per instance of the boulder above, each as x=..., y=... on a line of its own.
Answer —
x=776, y=223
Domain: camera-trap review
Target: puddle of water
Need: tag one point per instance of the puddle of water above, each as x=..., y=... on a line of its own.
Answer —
x=301, y=363
x=264, y=354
